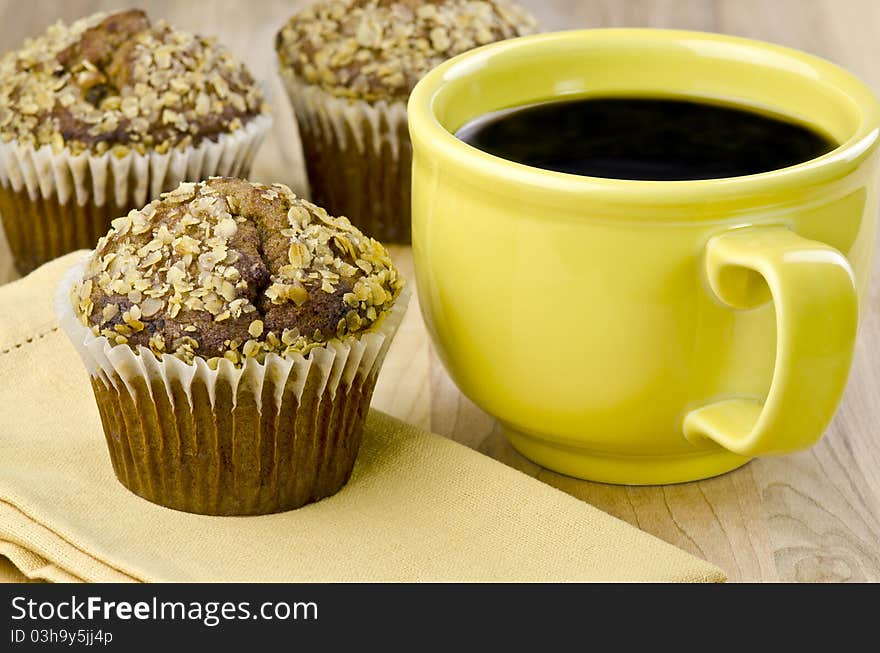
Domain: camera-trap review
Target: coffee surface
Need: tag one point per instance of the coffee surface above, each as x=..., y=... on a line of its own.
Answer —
x=645, y=138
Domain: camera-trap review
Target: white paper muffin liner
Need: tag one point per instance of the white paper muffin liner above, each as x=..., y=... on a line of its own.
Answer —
x=136, y=178
x=53, y=203
x=358, y=157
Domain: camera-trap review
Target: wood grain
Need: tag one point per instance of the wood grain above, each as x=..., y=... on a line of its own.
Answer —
x=813, y=516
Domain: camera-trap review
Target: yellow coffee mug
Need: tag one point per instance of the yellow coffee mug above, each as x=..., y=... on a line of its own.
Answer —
x=645, y=331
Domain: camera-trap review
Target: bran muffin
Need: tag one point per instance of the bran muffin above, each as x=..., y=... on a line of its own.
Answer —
x=233, y=334
x=99, y=117
x=349, y=67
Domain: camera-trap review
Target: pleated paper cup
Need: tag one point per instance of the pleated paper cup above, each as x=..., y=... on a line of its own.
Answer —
x=358, y=157
x=54, y=203
x=256, y=439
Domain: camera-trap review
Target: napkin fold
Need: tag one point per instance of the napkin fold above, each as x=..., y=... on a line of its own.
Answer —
x=419, y=507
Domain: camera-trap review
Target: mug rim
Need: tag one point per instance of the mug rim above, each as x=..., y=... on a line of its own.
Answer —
x=839, y=162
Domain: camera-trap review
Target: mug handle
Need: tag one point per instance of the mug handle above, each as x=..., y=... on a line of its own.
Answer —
x=813, y=289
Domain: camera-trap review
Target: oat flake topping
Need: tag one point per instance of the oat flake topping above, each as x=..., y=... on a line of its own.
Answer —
x=374, y=49
x=115, y=82
x=229, y=268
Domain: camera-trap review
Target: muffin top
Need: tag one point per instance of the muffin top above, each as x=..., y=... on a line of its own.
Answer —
x=229, y=268
x=117, y=81
x=379, y=49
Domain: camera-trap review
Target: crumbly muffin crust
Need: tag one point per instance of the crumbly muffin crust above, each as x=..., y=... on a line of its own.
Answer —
x=375, y=49
x=233, y=269
x=119, y=82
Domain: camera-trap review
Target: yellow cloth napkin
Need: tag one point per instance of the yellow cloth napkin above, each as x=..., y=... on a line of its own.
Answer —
x=419, y=507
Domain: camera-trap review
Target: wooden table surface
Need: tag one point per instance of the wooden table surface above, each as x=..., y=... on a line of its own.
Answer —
x=812, y=516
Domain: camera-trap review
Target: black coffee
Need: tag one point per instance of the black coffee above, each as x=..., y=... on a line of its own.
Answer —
x=642, y=138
